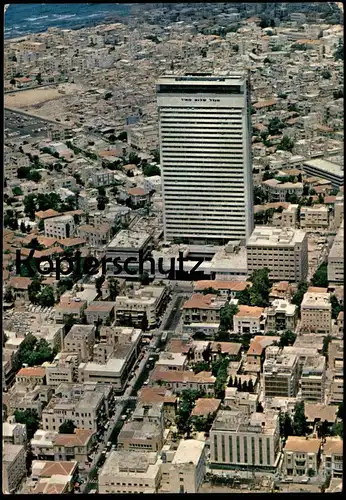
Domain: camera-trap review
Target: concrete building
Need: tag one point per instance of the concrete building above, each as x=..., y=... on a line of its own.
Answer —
x=172, y=361
x=100, y=311
x=147, y=300
x=278, y=191
x=300, y=456
x=205, y=151
x=289, y=216
x=142, y=138
x=314, y=218
x=31, y=376
x=313, y=379
x=281, y=315
x=336, y=258
x=223, y=288
x=249, y=319
x=75, y=446
x=13, y=467
x=336, y=367
x=283, y=251
x=325, y=169
x=63, y=369
x=42, y=444
x=281, y=376
x=238, y=440
x=60, y=227
x=332, y=456
x=96, y=236
x=316, y=312
x=179, y=381
x=80, y=340
x=237, y=400
x=127, y=471
x=203, y=309
x=14, y=433
x=185, y=473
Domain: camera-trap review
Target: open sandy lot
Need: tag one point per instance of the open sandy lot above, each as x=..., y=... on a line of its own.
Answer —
x=34, y=99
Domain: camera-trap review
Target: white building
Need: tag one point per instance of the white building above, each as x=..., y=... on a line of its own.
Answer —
x=336, y=258
x=205, y=150
x=283, y=251
x=130, y=472
x=60, y=227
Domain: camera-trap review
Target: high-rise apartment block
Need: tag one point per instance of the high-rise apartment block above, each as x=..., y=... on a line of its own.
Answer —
x=283, y=251
x=205, y=150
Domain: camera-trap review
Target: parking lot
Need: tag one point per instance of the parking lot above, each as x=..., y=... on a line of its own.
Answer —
x=22, y=125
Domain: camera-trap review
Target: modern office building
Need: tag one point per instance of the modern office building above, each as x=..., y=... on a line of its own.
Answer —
x=205, y=151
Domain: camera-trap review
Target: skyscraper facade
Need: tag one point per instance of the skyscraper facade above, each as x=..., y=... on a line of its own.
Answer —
x=205, y=150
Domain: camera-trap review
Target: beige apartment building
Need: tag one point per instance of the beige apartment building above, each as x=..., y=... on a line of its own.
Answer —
x=31, y=376
x=313, y=379
x=203, y=309
x=13, y=467
x=60, y=227
x=63, y=369
x=13, y=433
x=314, y=218
x=238, y=440
x=128, y=471
x=283, y=251
x=336, y=258
x=249, y=320
x=149, y=300
x=100, y=311
x=95, y=236
x=316, y=313
x=332, y=456
x=186, y=471
x=75, y=446
x=300, y=456
x=181, y=380
x=80, y=340
x=289, y=216
x=336, y=367
x=281, y=315
x=281, y=376
x=278, y=191
x=69, y=307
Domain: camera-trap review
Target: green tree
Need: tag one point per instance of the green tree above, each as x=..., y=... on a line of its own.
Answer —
x=287, y=338
x=122, y=136
x=299, y=424
x=102, y=202
x=34, y=175
x=275, y=126
x=22, y=227
x=31, y=420
x=34, y=290
x=339, y=53
x=244, y=297
x=8, y=295
x=261, y=285
x=226, y=316
x=326, y=341
x=46, y=297
x=144, y=278
x=210, y=290
x=113, y=285
x=320, y=278
x=286, y=144
x=340, y=413
x=17, y=191
x=151, y=170
x=285, y=425
x=11, y=220
x=336, y=307
x=67, y=427
x=201, y=366
x=134, y=159
x=99, y=282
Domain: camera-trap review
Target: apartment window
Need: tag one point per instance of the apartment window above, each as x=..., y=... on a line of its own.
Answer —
x=230, y=449
x=245, y=449
x=268, y=451
x=260, y=451
x=215, y=449
x=253, y=451
x=223, y=448
x=238, y=449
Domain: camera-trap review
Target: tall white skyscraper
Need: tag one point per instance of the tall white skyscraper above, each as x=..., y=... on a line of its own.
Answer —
x=205, y=149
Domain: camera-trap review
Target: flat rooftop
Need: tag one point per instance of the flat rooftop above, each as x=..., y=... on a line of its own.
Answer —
x=203, y=78
x=264, y=236
x=131, y=463
x=325, y=166
x=189, y=451
x=316, y=301
x=129, y=239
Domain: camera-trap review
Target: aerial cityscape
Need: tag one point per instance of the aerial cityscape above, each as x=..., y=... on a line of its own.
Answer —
x=173, y=248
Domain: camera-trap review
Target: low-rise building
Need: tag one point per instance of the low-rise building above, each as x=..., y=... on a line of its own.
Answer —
x=256, y=353
x=281, y=315
x=332, y=456
x=31, y=376
x=172, y=361
x=100, y=312
x=278, y=191
x=63, y=369
x=147, y=300
x=203, y=309
x=75, y=446
x=336, y=367
x=336, y=258
x=14, y=433
x=95, y=236
x=160, y=395
x=127, y=471
x=80, y=339
x=313, y=379
x=289, y=216
x=281, y=376
x=13, y=467
x=42, y=444
x=238, y=440
x=181, y=380
x=60, y=227
x=283, y=251
x=316, y=312
x=67, y=308
x=301, y=455
x=224, y=288
x=238, y=400
x=315, y=217
x=186, y=472
x=249, y=319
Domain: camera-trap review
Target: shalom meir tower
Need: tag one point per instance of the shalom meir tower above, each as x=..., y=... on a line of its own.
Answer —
x=205, y=150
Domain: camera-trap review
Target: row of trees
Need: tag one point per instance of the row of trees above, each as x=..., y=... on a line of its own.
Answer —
x=39, y=294
x=41, y=201
x=33, y=352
